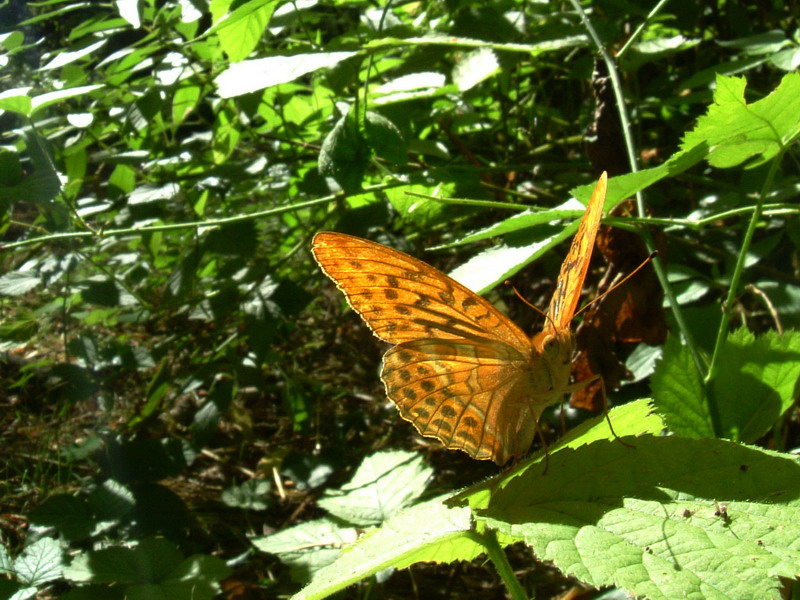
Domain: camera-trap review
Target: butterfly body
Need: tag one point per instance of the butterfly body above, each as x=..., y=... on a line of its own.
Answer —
x=460, y=370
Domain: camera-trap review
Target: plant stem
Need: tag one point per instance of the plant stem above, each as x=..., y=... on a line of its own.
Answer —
x=636, y=34
x=496, y=554
x=640, y=206
x=736, y=277
x=177, y=226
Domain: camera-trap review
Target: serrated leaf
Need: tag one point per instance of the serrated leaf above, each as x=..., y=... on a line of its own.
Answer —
x=69, y=515
x=150, y=561
x=39, y=563
x=754, y=385
x=629, y=420
x=756, y=382
x=432, y=531
x=401, y=541
x=308, y=547
x=252, y=494
x=17, y=283
x=678, y=392
x=384, y=483
x=738, y=132
x=649, y=519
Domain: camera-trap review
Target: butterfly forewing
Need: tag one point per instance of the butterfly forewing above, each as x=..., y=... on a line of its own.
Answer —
x=402, y=298
x=460, y=370
x=573, y=270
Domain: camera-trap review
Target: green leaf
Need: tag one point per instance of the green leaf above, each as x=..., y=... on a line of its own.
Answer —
x=531, y=240
x=768, y=42
x=69, y=515
x=17, y=283
x=410, y=87
x=384, y=138
x=647, y=519
x=678, y=392
x=150, y=561
x=384, y=483
x=252, y=495
x=426, y=532
x=129, y=10
x=629, y=420
x=492, y=266
x=344, y=154
x=17, y=332
x=12, y=40
x=755, y=385
x=756, y=382
x=422, y=211
x=66, y=57
x=196, y=578
x=474, y=68
x=253, y=75
x=152, y=569
x=184, y=102
x=754, y=133
x=240, y=31
x=308, y=547
x=111, y=500
x=437, y=531
x=16, y=100
x=39, y=563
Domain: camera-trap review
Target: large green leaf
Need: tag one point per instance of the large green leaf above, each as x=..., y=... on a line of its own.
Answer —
x=738, y=132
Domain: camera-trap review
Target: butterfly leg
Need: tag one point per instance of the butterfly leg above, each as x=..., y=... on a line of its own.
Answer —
x=562, y=416
x=576, y=386
x=544, y=447
x=608, y=418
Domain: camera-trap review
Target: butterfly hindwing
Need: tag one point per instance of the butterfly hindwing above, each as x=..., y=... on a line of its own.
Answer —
x=460, y=370
x=472, y=395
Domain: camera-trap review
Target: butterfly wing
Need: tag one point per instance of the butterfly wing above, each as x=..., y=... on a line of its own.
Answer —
x=461, y=371
x=475, y=395
x=402, y=298
x=573, y=270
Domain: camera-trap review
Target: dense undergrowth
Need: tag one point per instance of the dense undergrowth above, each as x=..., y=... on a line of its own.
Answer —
x=180, y=381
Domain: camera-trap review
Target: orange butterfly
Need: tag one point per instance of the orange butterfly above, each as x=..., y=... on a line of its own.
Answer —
x=460, y=370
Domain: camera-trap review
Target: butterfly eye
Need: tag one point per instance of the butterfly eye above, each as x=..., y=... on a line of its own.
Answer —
x=550, y=346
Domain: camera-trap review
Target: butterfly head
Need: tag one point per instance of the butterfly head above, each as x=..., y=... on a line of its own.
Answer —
x=556, y=346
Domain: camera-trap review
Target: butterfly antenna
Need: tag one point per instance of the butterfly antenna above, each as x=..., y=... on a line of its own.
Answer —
x=536, y=308
x=619, y=283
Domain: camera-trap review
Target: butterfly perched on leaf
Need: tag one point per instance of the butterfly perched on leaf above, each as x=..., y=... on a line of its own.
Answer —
x=459, y=370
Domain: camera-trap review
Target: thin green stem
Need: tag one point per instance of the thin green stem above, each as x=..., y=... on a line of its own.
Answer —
x=630, y=148
x=498, y=557
x=637, y=34
x=738, y=270
x=71, y=235
x=481, y=203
